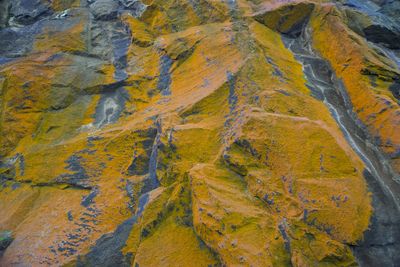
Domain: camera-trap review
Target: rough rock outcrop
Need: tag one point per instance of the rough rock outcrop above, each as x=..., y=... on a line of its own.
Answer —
x=199, y=133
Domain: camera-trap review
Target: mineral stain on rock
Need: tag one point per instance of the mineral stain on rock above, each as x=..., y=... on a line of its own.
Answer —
x=110, y=107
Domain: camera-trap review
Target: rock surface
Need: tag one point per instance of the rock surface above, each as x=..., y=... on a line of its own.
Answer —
x=5, y=240
x=199, y=133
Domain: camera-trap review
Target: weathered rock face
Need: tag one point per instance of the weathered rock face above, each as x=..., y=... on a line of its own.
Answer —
x=199, y=133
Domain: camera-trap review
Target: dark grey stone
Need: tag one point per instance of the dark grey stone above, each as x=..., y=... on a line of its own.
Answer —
x=89, y=199
x=395, y=89
x=164, y=81
x=16, y=42
x=77, y=176
x=5, y=240
x=108, y=249
x=153, y=162
x=382, y=35
x=110, y=107
x=26, y=12
x=134, y=7
x=105, y=9
x=4, y=13
x=381, y=243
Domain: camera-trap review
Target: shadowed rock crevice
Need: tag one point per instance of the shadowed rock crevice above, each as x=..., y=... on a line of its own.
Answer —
x=153, y=162
x=395, y=89
x=141, y=161
x=5, y=240
x=108, y=248
x=381, y=242
x=382, y=35
x=289, y=19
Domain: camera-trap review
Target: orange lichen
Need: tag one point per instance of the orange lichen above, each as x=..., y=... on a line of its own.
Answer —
x=71, y=40
x=253, y=170
x=60, y=5
x=374, y=106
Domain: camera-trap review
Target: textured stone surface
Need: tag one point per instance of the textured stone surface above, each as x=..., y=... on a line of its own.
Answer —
x=199, y=133
x=5, y=240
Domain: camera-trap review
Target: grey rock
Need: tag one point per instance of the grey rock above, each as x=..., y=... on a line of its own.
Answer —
x=5, y=240
x=164, y=80
x=78, y=177
x=135, y=7
x=381, y=35
x=108, y=249
x=100, y=39
x=392, y=9
x=89, y=199
x=14, y=43
x=381, y=242
x=18, y=41
x=4, y=13
x=24, y=12
x=110, y=107
x=395, y=89
x=128, y=3
x=105, y=9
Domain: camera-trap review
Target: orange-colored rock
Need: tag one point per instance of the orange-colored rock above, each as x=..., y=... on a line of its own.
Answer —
x=185, y=133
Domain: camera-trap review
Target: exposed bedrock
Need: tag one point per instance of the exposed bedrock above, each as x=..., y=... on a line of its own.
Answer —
x=288, y=19
x=199, y=133
x=108, y=249
x=382, y=240
x=24, y=12
x=104, y=9
x=377, y=28
x=4, y=13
